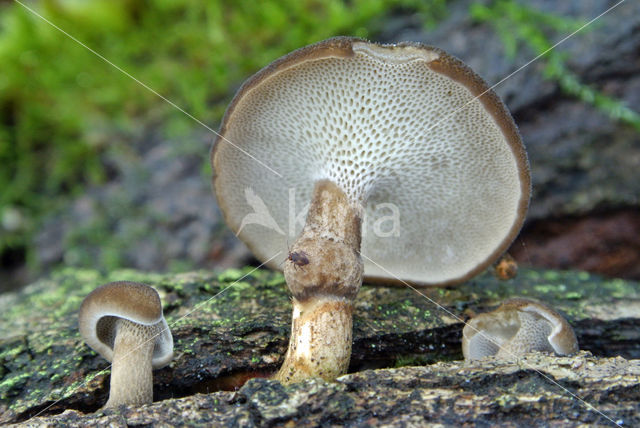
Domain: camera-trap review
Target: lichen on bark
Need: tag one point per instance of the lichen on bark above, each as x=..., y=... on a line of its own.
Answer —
x=234, y=325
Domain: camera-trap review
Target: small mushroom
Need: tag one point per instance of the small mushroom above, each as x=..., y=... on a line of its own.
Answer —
x=352, y=127
x=123, y=322
x=518, y=326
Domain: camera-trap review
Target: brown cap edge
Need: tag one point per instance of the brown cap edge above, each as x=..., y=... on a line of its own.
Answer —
x=445, y=64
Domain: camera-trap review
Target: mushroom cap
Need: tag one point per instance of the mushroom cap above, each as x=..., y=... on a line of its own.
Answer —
x=402, y=130
x=138, y=303
x=561, y=336
x=518, y=326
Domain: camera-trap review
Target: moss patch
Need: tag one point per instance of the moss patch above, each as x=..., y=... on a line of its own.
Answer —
x=235, y=324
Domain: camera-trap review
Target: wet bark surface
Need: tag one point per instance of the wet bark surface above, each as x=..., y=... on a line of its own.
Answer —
x=405, y=368
x=607, y=243
x=538, y=391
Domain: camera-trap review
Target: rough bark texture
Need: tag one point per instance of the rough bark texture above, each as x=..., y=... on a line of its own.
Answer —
x=230, y=327
x=539, y=391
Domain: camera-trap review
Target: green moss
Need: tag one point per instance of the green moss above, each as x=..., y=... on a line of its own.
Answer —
x=277, y=279
x=520, y=25
x=210, y=48
x=413, y=360
x=10, y=384
x=43, y=358
x=230, y=275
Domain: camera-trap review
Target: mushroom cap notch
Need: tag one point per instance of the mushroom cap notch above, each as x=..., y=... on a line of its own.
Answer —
x=518, y=326
x=132, y=301
x=408, y=132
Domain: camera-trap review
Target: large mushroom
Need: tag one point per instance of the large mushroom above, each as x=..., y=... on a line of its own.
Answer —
x=413, y=168
x=123, y=322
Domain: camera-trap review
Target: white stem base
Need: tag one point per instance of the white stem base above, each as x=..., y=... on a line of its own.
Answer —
x=320, y=344
x=131, y=370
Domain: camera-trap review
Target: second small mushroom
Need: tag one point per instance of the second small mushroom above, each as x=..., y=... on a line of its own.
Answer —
x=518, y=326
x=123, y=322
x=352, y=126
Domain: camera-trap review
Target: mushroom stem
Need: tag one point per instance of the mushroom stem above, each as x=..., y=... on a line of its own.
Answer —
x=324, y=288
x=131, y=369
x=320, y=343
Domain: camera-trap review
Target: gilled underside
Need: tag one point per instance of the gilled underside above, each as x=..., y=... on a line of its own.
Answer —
x=507, y=334
x=442, y=189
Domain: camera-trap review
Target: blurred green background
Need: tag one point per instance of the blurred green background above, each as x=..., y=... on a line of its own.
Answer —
x=61, y=106
x=63, y=109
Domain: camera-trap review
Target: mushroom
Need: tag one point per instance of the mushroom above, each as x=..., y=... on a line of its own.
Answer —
x=518, y=326
x=123, y=322
x=357, y=130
